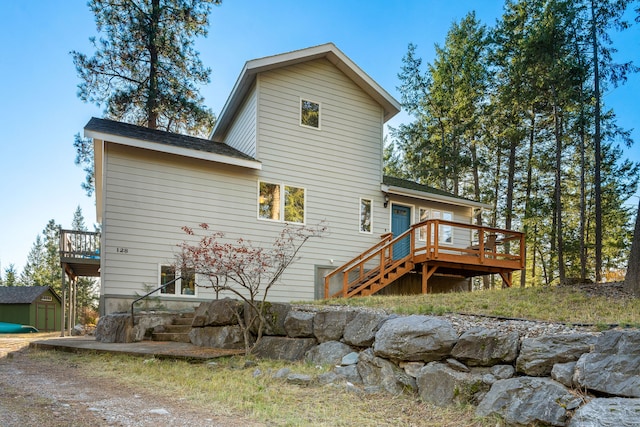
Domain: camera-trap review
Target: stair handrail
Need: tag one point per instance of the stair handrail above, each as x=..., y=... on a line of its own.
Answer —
x=387, y=241
x=149, y=293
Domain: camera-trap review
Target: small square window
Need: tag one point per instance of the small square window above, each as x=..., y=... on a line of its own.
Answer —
x=272, y=206
x=309, y=113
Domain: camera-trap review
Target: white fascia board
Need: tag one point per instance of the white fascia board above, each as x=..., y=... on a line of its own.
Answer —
x=170, y=149
x=98, y=159
x=399, y=191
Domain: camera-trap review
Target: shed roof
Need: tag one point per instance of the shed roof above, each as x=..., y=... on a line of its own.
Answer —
x=159, y=140
x=405, y=187
x=328, y=51
x=23, y=294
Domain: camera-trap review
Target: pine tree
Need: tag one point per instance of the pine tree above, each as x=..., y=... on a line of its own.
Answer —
x=145, y=70
x=11, y=276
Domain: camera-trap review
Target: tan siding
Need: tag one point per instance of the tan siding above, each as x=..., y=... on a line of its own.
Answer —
x=242, y=133
x=337, y=164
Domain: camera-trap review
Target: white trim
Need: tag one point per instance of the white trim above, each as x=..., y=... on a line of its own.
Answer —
x=247, y=76
x=360, y=215
x=319, y=114
x=411, y=207
x=281, y=214
x=422, y=195
x=171, y=149
x=177, y=284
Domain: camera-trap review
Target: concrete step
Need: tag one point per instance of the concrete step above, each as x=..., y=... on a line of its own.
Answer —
x=170, y=336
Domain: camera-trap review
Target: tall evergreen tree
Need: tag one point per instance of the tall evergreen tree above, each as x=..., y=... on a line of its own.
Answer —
x=146, y=70
x=11, y=276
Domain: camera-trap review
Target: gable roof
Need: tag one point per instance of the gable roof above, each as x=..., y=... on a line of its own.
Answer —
x=167, y=142
x=330, y=52
x=23, y=294
x=405, y=187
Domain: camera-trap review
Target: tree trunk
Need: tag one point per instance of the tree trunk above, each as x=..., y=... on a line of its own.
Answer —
x=152, y=99
x=558, y=190
x=597, y=149
x=632, y=278
x=527, y=206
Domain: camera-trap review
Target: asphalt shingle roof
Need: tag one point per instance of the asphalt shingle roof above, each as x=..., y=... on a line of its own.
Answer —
x=20, y=294
x=112, y=127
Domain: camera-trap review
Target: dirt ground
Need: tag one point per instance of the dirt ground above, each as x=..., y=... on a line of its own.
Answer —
x=35, y=392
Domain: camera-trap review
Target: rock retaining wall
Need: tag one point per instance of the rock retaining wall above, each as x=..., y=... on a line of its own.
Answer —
x=578, y=378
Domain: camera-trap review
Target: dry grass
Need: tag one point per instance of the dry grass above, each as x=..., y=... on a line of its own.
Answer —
x=554, y=304
x=232, y=387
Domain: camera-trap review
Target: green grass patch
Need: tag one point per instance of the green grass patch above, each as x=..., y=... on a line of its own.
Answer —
x=553, y=304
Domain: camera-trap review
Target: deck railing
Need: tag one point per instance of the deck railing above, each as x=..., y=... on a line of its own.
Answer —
x=432, y=240
x=79, y=244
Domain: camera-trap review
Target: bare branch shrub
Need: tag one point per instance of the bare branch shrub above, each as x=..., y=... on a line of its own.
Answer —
x=242, y=268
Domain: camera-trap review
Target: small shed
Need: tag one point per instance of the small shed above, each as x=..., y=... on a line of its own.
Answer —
x=37, y=306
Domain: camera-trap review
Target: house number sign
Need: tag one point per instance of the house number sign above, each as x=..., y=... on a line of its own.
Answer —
x=122, y=250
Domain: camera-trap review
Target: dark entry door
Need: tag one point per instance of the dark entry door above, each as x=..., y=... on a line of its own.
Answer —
x=400, y=222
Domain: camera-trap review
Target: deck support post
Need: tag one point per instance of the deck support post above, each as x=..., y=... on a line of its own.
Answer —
x=426, y=274
x=506, y=278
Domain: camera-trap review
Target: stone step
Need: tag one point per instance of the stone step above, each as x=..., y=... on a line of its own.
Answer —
x=177, y=329
x=170, y=336
x=183, y=320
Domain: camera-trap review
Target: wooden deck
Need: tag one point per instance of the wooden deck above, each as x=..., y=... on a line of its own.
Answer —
x=80, y=253
x=423, y=248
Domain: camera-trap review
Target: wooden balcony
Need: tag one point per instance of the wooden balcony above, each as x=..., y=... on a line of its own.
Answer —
x=446, y=247
x=80, y=253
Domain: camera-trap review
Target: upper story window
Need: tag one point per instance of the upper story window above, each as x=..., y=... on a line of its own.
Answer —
x=280, y=202
x=365, y=215
x=309, y=113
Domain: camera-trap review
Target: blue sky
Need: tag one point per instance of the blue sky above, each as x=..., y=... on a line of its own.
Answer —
x=40, y=113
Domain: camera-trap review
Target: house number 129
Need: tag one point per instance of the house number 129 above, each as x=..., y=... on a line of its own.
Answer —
x=122, y=250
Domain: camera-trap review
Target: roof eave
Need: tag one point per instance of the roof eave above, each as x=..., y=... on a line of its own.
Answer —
x=400, y=191
x=170, y=149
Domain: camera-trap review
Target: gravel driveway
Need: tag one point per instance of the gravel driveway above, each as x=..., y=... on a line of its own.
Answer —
x=54, y=392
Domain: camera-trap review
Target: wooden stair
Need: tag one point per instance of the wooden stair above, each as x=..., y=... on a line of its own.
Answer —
x=177, y=331
x=375, y=281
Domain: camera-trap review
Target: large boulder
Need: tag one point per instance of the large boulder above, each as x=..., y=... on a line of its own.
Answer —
x=615, y=411
x=538, y=355
x=441, y=385
x=283, y=348
x=274, y=314
x=486, y=347
x=227, y=337
x=329, y=325
x=361, y=331
x=614, y=365
x=415, y=338
x=528, y=400
x=299, y=324
x=328, y=353
x=115, y=328
x=222, y=312
x=379, y=373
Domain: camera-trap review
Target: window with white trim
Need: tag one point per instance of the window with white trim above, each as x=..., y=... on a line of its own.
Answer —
x=445, y=232
x=309, y=113
x=280, y=202
x=185, y=285
x=366, y=215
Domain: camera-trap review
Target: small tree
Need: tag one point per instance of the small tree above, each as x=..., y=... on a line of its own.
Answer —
x=242, y=268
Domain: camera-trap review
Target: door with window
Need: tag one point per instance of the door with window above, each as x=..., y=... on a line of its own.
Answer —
x=400, y=222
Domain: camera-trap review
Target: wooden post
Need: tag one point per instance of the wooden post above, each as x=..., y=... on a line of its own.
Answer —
x=64, y=302
x=424, y=278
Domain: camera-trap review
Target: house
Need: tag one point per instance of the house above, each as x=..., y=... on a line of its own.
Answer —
x=307, y=123
x=37, y=306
